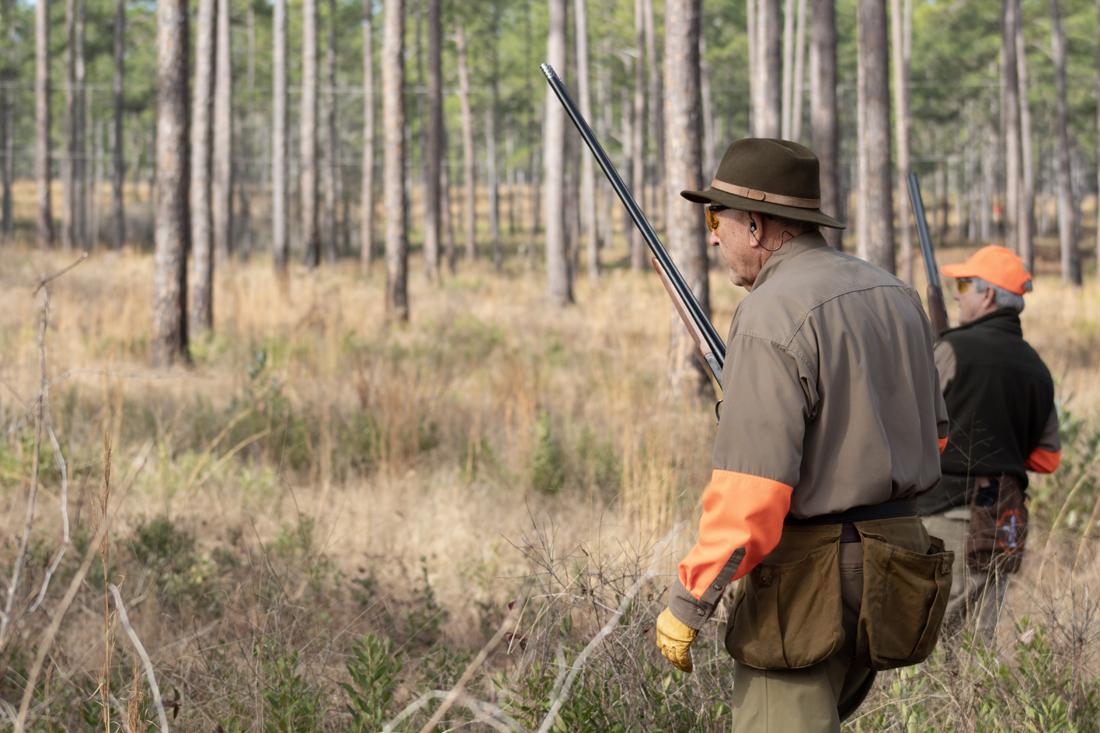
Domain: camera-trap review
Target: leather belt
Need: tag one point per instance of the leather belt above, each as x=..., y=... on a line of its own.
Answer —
x=885, y=510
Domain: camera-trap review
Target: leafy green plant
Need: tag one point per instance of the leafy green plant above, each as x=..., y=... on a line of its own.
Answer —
x=374, y=666
x=290, y=704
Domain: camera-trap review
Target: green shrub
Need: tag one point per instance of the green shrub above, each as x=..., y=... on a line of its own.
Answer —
x=373, y=666
x=548, y=463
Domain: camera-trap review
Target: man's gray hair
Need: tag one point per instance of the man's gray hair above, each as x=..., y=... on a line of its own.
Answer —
x=1001, y=298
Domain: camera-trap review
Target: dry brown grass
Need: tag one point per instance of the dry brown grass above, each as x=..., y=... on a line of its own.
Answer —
x=393, y=443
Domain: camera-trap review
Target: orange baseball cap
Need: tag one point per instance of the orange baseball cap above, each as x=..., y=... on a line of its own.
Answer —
x=996, y=265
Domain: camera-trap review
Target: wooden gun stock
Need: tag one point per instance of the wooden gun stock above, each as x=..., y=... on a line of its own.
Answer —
x=692, y=326
x=937, y=311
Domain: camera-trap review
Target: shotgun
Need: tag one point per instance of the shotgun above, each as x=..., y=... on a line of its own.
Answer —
x=937, y=311
x=698, y=325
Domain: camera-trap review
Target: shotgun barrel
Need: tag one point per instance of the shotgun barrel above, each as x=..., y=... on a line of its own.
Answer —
x=712, y=346
x=937, y=311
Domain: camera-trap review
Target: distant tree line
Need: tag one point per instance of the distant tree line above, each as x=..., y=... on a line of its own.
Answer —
x=348, y=129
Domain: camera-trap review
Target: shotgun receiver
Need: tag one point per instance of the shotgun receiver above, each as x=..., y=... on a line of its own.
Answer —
x=698, y=325
x=937, y=311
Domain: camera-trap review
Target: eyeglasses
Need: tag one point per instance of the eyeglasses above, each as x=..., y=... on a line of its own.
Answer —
x=962, y=285
x=712, y=215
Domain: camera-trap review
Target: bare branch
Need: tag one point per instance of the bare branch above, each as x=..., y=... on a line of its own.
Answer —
x=140, y=648
x=47, y=280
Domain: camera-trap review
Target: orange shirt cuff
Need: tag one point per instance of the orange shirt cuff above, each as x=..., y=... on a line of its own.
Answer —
x=943, y=445
x=739, y=510
x=1043, y=461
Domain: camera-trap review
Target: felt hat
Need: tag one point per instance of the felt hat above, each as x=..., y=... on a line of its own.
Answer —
x=774, y=177
x=996, y=265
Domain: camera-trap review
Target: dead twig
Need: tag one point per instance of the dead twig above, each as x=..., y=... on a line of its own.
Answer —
x=47, y=280
x=150, y=675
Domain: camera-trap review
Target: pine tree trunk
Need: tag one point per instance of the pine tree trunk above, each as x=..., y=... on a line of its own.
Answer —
x=1097, y=153
x=1010, y=15
x=366, y=234
x=799, y=73
x=393, y=127
x=332, y=140
x=1027, y=188
x=493, y=183
x=900, y=30
x=1071, y=256
x=656, y=109
x=588, y=174
x=68, y=162
x=559, y=286
x=787, y=88
x=626, y=168
x=755, y=90
x=118, y=211
x=172, y=239
x=279, y=240
x=637, y=154
x=768, y=70
x=469, y=185
x=307, y=128
x=823, y=111
x=687, y=243
x=710, y=164
x=434, y=151
x=876, y=215
x=202, y=129
x=446, y=220
x=80, y=174
x=222, y=190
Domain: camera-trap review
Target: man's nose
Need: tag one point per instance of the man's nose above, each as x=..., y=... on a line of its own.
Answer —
x=713, y=238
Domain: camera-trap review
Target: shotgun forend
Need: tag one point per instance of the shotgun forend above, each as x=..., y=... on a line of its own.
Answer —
x=937, y=311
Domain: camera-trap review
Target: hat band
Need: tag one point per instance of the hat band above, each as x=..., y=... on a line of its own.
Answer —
x=771, y=198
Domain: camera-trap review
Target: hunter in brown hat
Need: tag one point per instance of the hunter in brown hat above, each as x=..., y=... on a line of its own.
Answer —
x=833, y=423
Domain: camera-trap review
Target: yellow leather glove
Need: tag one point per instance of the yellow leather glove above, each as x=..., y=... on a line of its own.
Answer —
x=674, y=640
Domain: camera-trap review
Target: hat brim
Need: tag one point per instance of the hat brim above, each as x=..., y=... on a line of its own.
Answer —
x=959, y=270
x=733, y=201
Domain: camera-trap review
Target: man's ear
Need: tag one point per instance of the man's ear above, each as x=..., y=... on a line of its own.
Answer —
x=988, y=296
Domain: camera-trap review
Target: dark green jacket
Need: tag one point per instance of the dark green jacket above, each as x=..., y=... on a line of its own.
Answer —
x=999, y=402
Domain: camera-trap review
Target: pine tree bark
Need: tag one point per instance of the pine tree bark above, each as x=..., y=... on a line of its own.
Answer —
x=1098, y=150
x=118, y=210
x=656, y=108
x=824, y=113
x=876, y=210
x=768, y=70
x=559, y=285
x=202, y=129
x=393, y=129
x=799, y=73
x=307, y=128
x=755, y=90
x=710, y=164
x=80, y=167
x=173, y=234
x=787, y=89
x=1010, y=17
x=588, y=174
x=637, y=154
x=434, y=156
x=42, y=121
x=222, y=192
x=332, y=139
x=1071, y=255
x=68, y=162
x=279, y=240
x=1027, y=187
x=469, y=185
x=900, y=28
x=687, y=243
x=366, y=234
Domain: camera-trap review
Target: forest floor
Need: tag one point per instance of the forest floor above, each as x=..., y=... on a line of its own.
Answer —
x=320, y=523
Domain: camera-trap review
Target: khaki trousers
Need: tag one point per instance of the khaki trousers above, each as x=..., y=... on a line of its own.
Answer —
x=808, y=700
x=976, y=595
